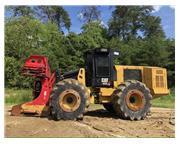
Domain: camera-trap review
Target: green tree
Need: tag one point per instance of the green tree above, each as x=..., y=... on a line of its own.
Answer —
x=90, y=14
x=25, y=37
x=152, y=27
x=11, y=67
x=93, y=36
x=18, y=11
x=74, y=51
x=130, y=22
x=170, y=65
x=132, y=30
x=13, y=77
x=150, y=52
x=55, y=14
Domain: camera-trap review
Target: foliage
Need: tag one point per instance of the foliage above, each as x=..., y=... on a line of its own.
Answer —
x=170, y=65
x=21, y=11
x=11, y=67
x=132, y=30
x=90, y=14
x=55, y=14
x=130, y=22
x=24, y=37
x=93, y=36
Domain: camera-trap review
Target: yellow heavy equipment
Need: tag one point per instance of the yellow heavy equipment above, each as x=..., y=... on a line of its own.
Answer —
x=124, y=90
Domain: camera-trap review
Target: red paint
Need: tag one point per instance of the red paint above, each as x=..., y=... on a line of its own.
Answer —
x=38, y=66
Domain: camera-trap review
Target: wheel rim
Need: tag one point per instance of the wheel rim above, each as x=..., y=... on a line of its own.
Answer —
x=135, y=100
x=69, y=100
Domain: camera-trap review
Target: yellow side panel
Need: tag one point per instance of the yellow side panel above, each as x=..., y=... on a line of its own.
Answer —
x=160, y=82
x=147, y=75
x=120, y=72
x=155, y=79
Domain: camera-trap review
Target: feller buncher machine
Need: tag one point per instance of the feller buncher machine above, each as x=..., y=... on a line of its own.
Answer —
x=125, y=91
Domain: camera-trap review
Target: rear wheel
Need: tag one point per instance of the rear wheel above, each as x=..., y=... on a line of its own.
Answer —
x=132, y=100
x=68, y=100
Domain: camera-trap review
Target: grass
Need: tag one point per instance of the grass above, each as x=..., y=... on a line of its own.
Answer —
x=165, y=101
x=17, y=96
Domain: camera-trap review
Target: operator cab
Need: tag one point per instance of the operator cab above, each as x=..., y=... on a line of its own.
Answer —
x=100, y=71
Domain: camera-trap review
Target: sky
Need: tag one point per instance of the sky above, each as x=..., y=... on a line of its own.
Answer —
x=166, y=13
x=74, y=12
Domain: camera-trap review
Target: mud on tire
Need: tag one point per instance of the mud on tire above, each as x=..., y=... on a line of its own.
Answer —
x=68, y=101
x=131, y=100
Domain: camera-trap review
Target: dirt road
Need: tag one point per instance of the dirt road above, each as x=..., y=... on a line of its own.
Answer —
x=96, y=123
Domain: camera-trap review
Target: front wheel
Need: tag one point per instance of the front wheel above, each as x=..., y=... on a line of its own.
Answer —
x=68, y=100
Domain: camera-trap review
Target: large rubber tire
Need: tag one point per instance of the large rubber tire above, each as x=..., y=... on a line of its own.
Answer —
x=60, y=108
x=109, y=107
x=131, y=100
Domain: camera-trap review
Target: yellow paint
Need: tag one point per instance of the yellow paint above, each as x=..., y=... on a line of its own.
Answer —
x=81, y=76
x=149, y=75
x=106, y=91
x=148, y=78
x=34, y=108
x=120, y=72
x=92, y=99
x=104, y=99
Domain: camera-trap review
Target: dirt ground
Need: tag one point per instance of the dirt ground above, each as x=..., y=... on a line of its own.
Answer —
x=97, y=122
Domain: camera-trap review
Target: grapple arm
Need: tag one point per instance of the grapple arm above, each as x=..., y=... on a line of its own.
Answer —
x=37, y=66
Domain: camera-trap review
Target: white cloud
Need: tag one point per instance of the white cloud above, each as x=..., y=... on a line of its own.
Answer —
x=102, y=23
x=80, y=16
x=172, y=6
x=156, y=8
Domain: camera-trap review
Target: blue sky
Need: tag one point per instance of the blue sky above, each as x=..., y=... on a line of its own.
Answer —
x=166, y=13
x=74, y=12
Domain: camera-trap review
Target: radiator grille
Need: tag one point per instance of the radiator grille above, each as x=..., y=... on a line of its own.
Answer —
x=159, y=81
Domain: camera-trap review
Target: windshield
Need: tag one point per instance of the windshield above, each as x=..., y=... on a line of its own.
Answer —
x=102, y=66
